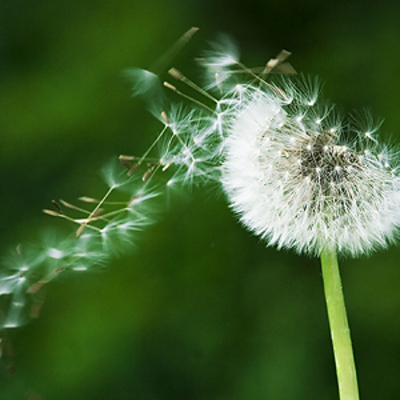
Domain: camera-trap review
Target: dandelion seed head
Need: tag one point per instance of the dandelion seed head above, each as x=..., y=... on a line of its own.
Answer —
x=298, y=183
x=296, y=173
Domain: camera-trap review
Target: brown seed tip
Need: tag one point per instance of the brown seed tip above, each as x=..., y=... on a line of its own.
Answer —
x=52, y=213
x=167, y=166
x=283, y=55
x=66, y=204
x=56, y=205
x=169, y=86
x=279, y=64
x=147, y=174
x=165, y=118
x=132, y=170
x=126, y=164
x=190, y=33
x=88, y=199
x=272, y=63
x=176, y=74
x=126, y=158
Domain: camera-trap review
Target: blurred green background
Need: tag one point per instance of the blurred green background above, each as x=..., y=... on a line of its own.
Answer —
x=200, y=309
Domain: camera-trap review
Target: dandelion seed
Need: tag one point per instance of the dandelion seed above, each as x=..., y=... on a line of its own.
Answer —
x=18, y=269
x=218, y=62
x=114, y=175
x=148, y=86
x=117, y=235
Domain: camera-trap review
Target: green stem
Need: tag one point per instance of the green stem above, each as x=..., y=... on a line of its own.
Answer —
x=339, y=326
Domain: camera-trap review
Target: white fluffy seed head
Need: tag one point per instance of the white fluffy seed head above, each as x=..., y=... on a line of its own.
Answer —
x=290, y=170
x=295, y=181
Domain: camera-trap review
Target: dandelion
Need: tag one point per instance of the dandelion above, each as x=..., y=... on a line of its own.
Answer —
x=295, y=173
x=299, y=181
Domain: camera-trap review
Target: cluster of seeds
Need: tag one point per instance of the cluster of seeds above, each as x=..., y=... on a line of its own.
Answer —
x=290, y=170
x=303, y=182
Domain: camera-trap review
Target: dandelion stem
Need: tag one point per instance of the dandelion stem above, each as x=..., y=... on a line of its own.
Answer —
x=339, y=326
